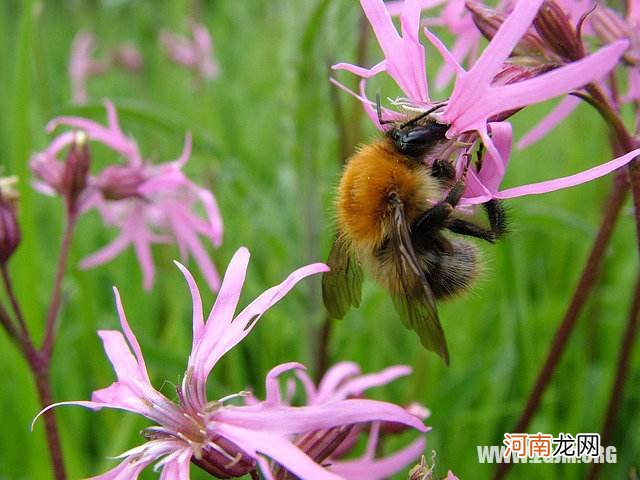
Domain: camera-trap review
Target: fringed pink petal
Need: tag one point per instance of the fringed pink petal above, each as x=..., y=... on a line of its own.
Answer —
x=196, y=301
x=571, y=180
x=379, y=469
x=294, y=420
x=106, y=253
x=272, y=383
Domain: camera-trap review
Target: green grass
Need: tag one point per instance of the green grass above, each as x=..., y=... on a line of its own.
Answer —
x=267, y=143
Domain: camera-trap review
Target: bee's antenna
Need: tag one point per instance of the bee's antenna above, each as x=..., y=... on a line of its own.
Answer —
x=379, y=110
x=424, y=114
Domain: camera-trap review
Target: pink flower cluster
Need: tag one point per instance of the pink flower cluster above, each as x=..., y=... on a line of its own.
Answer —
x=195, y=53
x=147, y=203
x=489, y=89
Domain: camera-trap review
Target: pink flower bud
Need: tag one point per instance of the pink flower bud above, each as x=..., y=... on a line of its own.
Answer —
x=318, y=445
x=76, y=170
x=609, y=27
x=227, y=460
x=118, y=182
x=514, y=74
x=489, y=20
x=554, y=26
x=9, y=228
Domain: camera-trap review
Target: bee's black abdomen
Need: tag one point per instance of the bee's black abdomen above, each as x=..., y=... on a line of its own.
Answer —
x=450, y=273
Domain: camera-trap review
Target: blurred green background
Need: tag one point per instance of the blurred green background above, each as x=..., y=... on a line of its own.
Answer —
x=268, y=142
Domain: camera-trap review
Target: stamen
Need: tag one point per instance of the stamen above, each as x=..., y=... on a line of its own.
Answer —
x=188, y=377
x=194, y=422
x=210, y=408
x=241, y=394
x=196, y=447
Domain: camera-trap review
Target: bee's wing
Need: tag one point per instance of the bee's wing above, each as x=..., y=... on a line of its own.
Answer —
x=415, y=303
x=342, y=285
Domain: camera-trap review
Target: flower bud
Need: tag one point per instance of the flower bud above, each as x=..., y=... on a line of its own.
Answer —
x=119, y=182
x=9, y=228
x=489, y=20
x=76, y=169
x=224, y=459
x=514, y=74
x=318, y=445
x=554, y=27
x=510, y=73
x=609, y=27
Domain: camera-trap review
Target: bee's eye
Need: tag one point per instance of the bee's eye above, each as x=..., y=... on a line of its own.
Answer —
x=418, y=140
x=395, y=134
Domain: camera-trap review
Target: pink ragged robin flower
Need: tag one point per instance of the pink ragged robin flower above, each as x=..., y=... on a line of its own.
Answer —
x=195, y=53
x=478, y=99
x=224, y=439
x=83, y=63
x=147, y=203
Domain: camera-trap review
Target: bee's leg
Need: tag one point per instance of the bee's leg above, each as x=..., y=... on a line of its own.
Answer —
x=464, y=227
x=497, y=222
x=497, y=217
x=455, y=194
x=443, y=169
x=435, y=219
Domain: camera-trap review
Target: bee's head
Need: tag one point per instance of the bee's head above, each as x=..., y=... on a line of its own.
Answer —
x=417, y=139
x=416, y=136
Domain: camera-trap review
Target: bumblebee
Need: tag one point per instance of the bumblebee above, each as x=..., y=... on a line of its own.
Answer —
x=392, y=220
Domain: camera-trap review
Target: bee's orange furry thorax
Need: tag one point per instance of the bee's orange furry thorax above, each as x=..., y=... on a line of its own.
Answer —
x=371, y=174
